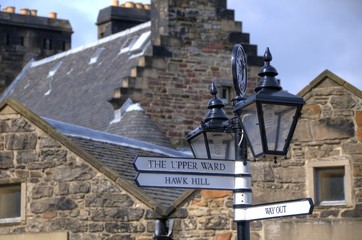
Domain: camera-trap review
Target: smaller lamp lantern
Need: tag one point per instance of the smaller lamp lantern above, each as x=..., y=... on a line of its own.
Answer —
x=213, y=139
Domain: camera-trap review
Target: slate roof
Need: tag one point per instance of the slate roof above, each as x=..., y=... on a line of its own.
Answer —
x=74, y=86
x=117, y=153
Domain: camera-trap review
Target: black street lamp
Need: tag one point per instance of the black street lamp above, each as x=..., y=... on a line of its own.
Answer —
x=270, y=115
x=267, y=118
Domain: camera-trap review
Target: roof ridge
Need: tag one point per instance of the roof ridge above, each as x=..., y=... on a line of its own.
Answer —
x=88, y=133
x=335, y=78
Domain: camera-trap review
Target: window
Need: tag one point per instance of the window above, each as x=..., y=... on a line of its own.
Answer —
x=96, y=55
x=126, y=46
x=141, y=42
x=225, y=94
x=7, y=39
x=329, y=187
x=10, y=203
x=54, y=69
x=22, y=41
x=329, y=182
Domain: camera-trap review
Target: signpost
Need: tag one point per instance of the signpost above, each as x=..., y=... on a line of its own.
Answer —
x=166, y=172
x=188, y=165
x=274, y=210
x=168, y=180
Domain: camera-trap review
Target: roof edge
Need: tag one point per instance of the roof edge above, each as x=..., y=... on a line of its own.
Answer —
x=328, y=74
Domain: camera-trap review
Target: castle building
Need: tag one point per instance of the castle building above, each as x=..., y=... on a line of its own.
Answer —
x=72, y=124
x=26, y=36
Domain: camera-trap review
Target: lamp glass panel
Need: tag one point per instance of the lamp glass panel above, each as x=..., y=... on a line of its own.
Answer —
x=221, y=145
x=278, y=120
x=250, y=122
x=198, y=146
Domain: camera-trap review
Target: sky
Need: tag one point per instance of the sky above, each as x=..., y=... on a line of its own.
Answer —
x=305, y=37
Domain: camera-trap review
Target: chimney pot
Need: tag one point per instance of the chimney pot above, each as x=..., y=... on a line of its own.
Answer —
x=53, y=15
x=129, y=5
x=10, y=9
x=33, y=12
x=24, y=11
x=139, y=5
x=147, y=6
x=115, y=3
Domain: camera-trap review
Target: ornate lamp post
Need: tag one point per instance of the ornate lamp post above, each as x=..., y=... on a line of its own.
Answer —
x=267, y=118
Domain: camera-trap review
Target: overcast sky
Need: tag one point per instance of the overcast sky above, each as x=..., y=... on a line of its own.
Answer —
x=305, y=37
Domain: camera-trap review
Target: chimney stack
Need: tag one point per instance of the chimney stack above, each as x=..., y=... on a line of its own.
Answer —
x=117, y=18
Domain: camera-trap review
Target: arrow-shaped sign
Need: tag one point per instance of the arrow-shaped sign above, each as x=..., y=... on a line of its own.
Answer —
x=171, y=180
x=189, y=165
x=275, y=210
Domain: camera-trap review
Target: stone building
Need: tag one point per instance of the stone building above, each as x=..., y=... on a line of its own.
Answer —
x=74, y=180
x=24, y=36
x=63, y=181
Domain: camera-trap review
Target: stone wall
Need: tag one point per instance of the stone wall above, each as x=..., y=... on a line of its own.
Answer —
x=64, y=192
x=209, y=216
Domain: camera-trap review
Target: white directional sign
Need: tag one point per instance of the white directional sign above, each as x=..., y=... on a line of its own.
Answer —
x=188, y=165
x=172, y=180
x=274, y=210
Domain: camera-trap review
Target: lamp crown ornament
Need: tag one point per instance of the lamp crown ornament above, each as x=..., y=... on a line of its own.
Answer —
x=267, y=74
x=214, y=138
x=216, y=106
